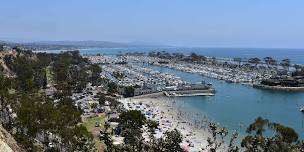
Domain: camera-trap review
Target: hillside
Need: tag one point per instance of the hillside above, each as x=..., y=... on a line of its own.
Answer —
x=4, y=68
x=7, y=142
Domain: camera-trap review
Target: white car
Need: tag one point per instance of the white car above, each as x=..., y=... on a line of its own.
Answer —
x=51, y=145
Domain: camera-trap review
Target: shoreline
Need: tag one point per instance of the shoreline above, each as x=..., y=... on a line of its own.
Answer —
x=170, y=117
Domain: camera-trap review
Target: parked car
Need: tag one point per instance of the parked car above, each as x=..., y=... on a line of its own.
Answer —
x=51, y=145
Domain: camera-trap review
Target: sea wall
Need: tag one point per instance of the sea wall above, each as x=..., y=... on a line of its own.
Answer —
x=206, y=92
x=193, y=92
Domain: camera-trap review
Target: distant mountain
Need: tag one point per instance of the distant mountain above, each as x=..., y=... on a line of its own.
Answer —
x=81, y=43
x=54, y=45
x=147, y=44
x=4, y=42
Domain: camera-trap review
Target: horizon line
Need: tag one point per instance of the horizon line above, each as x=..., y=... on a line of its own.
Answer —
x=145, y=44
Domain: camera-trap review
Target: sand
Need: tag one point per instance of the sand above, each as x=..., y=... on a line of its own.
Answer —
x=169, y=117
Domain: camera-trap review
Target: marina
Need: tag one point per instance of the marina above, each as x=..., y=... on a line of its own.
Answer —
x=235, y=105
x=126, y=73
x=152, y=76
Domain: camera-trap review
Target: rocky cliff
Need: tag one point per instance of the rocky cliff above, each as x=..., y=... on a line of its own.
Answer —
x=7, y=142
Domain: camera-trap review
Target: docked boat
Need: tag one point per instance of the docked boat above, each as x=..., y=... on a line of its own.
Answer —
x=302, y=109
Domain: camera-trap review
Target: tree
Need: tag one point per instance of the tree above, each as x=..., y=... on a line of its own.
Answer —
x=108, y=142
x=133, y=138
x=39, y=78
x=94, y=105
x=213, y=60
x=70, y=72
x=132, y=119
x=129, y=91
x=216, y=132
x=80, y=140
x=107, y=138
x=3, y=91
x=152, y=125
x=38, y=114
x=112, y=88
x=254, y=61
x=231, y=146
x=170, y=142
x=27, y=113
x=101, y=98
x=77, y=138
x=283, y=139
x=267, y=60
x=23, y=67
x=1, y=47
x=238, y=60
x=152, y=54
x=272, y=62
x=95, y=77
x=178, y=55
x=285, y=63
x=114, y=103
x=194, y=57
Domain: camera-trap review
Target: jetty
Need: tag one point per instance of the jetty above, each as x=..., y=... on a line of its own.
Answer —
x=187, y=93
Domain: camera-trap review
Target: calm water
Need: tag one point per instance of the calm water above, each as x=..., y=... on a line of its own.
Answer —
x=236, y=104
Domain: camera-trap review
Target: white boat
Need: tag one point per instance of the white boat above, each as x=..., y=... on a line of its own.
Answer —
x=302, y=109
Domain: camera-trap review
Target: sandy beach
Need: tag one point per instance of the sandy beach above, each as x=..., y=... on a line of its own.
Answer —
x=162, y=109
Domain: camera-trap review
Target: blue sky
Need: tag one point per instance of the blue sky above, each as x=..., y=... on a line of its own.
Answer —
x=196, y=23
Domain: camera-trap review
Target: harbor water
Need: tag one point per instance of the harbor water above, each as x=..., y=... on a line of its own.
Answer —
x=235, y=106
